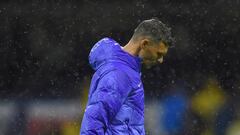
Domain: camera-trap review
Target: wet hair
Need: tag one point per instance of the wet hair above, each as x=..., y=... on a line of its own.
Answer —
x=155, y=30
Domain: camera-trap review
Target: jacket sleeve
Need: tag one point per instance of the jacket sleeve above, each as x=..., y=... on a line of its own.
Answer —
x=105, y=102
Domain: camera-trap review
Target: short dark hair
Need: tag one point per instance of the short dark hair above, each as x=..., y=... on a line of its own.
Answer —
x=155, y=30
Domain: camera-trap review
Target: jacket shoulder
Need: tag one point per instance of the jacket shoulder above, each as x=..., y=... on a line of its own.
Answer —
x=115, y=75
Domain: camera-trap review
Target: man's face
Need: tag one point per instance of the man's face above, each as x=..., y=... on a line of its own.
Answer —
x=152, y=53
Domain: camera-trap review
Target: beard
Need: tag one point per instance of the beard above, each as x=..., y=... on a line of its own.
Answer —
x=149, y=63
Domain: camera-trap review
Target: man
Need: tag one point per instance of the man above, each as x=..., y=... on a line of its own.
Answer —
x=116, y=96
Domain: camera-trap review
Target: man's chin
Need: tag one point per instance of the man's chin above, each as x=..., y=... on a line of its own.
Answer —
x=148, y=65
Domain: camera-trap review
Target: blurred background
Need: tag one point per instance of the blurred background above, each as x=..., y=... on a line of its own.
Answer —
x=45, y=74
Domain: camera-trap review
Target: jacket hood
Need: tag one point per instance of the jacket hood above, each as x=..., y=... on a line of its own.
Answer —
x=108, y=50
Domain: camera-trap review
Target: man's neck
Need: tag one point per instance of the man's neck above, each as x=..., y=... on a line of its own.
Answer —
x=132, y=48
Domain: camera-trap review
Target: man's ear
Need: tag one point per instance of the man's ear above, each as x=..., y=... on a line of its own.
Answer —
x=144, y=43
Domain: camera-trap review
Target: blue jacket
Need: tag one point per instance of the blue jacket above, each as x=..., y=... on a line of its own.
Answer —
x=116, y=96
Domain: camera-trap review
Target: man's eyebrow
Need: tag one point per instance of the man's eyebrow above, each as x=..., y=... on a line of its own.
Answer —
x=168, y=44
x=165, y=43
